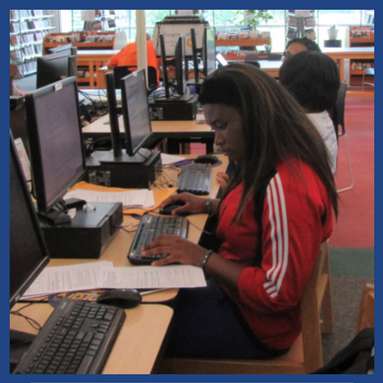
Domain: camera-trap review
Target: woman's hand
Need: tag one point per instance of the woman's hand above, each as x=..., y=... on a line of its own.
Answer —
x=191, y=204
x=223, y=179
x=180, y=250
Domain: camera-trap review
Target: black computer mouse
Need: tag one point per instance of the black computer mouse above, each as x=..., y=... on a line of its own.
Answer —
x=206, y=159
x=167, y=210
x=123, y=298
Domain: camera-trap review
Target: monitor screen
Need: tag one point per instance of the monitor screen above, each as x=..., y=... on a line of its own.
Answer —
x=208, y=51
x=194, y=54
x=221, y=60
x=55, y=67
x=28, y=253
x=135, y=110
x=55, y=141
x=179, y=58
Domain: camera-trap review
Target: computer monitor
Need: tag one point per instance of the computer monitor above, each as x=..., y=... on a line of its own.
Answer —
x=28, y=253
x=57, y=153
x=65, y=50
x=55, y=67
x=179, y=61
x=208, y=51
x=180, y=75
x=135, y=111
x=164, y=61
x=197, y=81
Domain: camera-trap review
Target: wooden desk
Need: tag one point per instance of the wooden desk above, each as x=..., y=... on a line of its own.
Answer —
x=161, y=129
x=136, y=349
x=145, y=327
x=94, y=59
x=341, y=54
x=118, y=249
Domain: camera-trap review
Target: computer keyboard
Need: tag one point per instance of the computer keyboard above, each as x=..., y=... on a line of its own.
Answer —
x=152, y=226
x=195, y=179
x=77, y=339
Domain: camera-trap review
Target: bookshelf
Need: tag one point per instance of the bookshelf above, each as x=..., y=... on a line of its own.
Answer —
x=239, y=43
x=27, y=30
x=361, y=37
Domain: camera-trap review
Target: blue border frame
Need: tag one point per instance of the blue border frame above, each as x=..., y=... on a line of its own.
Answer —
x=172, y=4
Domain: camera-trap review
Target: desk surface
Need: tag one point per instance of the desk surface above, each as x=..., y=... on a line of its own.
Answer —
x=136, y=349
x=161, y=129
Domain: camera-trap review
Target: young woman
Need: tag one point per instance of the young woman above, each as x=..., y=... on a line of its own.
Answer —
x=313, y=79
x=274, y=214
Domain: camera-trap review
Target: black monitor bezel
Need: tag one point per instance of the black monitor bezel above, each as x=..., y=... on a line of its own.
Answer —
x=205, y=51
x=130, y=150
x=14, y=297
x=179, y=62
x=194, y=54
x=165, y=78
x=54, y=62
x=35, y=149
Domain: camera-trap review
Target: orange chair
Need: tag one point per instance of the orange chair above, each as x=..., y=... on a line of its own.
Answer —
x=305, y=356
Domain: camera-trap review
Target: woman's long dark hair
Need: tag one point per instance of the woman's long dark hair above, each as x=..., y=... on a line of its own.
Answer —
x=276, y=128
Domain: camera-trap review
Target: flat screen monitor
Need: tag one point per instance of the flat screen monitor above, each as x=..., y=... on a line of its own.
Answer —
x=28, y=252
x=56, y=147
x=135, y=110
x=195, y=55
x=55, y=67
x=165, y=78
x=208, y=51
x=65, y=50
x=179, y=61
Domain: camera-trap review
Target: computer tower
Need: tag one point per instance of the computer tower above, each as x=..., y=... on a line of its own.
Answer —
x=87, y=235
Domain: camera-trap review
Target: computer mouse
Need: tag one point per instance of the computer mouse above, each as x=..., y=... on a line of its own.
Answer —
x=206, y=159
x=167, y=210
x=123, y=298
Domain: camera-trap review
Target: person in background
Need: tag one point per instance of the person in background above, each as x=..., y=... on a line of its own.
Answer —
x=128, y=56
x=313, y=79
x=300, y=44
x=273, y=216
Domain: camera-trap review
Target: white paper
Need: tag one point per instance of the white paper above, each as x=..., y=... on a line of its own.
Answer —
x=58, y=279
x=138, y=198
x=168, y=159
x=152, y=277
x=101, y=275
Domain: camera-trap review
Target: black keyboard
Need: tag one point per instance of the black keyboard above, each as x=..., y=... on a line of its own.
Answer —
x=152, y=226
x=77, y=339
x=195, y=179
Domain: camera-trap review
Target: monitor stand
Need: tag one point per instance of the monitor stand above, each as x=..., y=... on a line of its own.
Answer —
x=139, y=158
x=174, y=98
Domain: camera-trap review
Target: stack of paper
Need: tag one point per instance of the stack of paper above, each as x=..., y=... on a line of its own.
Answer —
x=103, y=275
x=142, y=199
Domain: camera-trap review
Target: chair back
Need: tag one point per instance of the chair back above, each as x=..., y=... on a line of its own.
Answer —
x=311, y=304
x=122, y=71
x=337, y=114
x=304, y=357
